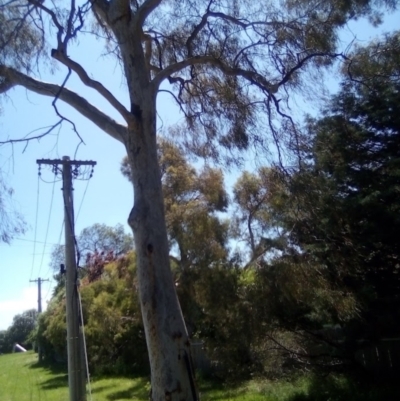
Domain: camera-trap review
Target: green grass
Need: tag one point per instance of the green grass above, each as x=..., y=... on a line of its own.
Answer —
x=250, y=391
x=23, y=379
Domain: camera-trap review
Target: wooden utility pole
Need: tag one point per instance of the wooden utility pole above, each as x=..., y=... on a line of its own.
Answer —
x=76, y=365
x=39, y=281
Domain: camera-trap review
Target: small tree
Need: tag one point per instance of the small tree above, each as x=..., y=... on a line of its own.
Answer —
x=20, y=329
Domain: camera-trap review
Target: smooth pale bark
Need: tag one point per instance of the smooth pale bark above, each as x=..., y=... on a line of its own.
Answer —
x=172, y=376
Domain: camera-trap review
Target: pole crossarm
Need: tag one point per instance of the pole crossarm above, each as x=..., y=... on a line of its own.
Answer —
x=53, y=162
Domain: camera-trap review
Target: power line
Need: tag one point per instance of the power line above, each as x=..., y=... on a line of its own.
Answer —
x=83, y=197
x=36, y=224
x=32, y=240
x=48, y=225
x=48, y=270
x=84, y=346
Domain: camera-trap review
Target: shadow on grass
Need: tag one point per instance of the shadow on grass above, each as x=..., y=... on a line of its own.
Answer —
x=137, y=391
x=58, y=370
x=100, y=389
x=50, y=366
x=344, y=389
x=216, y=390
x=55, y=382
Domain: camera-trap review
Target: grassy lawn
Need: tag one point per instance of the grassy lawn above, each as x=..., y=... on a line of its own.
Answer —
x=23, y=379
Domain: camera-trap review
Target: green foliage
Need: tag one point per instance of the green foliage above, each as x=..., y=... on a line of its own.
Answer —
x=52, y=328
x=323, y=238
x=113, y=326
x=356, y=153
x=256, y=215
x=101, y=238
x=95, y=245
x=19, y=331
x=113, y=322
x=219, y=103
x=192, y=200
x=3, y=341
x=339, y=215
x=316, y=257
x=98, y=238
x=21, y=43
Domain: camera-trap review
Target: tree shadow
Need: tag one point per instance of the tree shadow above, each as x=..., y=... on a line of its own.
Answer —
x=100, y=389
x=55, y=382
x=57, y=370
x=52, y=367
x=137, y=391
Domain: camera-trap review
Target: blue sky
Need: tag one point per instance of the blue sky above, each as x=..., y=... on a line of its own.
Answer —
x=109, y=196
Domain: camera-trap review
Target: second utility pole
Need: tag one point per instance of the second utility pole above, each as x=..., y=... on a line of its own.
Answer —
x=39, y=281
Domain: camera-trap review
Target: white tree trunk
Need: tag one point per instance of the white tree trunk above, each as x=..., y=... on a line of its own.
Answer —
x=172, y=376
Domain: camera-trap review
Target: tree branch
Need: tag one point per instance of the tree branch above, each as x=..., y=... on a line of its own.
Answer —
x=27, y=139
x=96, y=85
x=13, y=78
x=144, y=11
x=51, y=13
x=301, y=62
x=251, y=76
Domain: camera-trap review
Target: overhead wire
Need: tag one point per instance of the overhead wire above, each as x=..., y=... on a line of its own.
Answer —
x=32, y=240
x=36, y=224
x=83, y=197
x=62, y=226
x=48, y=225
x=49, y=269
x=45, y=243
x=72, y=227
x=84, y=346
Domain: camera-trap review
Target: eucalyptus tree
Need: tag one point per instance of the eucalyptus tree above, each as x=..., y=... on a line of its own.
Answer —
x=192, y=198
x=226, y=63
x=257, y=197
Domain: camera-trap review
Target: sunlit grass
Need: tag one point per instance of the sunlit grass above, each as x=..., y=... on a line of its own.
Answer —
x=23, y=379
